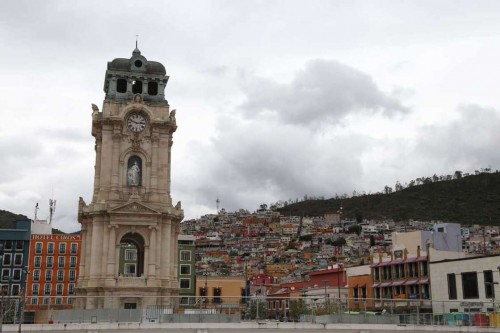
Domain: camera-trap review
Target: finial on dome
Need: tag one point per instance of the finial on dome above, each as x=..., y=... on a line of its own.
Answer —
x=136, y=51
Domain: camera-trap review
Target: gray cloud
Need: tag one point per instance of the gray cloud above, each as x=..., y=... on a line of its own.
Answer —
x=462, y=143
x=325, y=91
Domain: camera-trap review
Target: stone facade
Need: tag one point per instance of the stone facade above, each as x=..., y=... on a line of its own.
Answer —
x=131, y=202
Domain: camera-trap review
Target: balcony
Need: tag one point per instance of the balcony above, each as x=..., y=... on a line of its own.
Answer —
x=132, y=281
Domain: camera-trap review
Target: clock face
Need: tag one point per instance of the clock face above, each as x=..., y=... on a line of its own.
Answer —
x=136, y=122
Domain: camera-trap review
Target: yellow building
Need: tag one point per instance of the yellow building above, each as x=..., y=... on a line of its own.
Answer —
x=223, y=292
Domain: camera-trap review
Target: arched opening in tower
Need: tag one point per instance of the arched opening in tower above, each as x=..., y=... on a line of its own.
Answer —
x=131, y=255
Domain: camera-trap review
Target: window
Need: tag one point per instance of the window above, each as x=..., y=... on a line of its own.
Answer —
x=46, y=300
x=185, y=269
x=16, y=274
x=38, y=248
x=71, y=289
x=62, y=248
x=469, y=285
x=489, y=290
x=217, y=295
x=50, y=262
x=121, y=85
x=47, y=289
x=15, y=289
x=136, y=87
x=38, y=262
x=452, y=286
x=440, y=229
x=36, y=275
x=377, y=274
x=130, y=269
x=72, y=275
x=50, y=248
x=186, y=255
x=35, y=288
x=19, y=245
x=424, y=268
x=58, y=300
x=185, y=283
x=5, y=274
x=203, y=292
x=363, y=292
x=70, y=301
x=7, y=259
x=152, y=88
x=34, y=301
x=59, y=288
x=72, y=262
x=8, y=245
x=74, y=248
x=130, y=254
x=356, y=294
x=18, y=259
x=60, y=275
x=61, y=262
x=184, y=301
x=243, y=296
x=48, y=275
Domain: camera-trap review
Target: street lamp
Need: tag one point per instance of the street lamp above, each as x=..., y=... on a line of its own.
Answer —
x=325, y=283
x=492, y=286
x=22, y=298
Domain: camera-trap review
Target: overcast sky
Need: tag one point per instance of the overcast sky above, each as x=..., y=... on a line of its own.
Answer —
x=274, y=99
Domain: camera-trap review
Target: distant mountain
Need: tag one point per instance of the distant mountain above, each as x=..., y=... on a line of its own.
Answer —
x=6, y=219
x=466, y=200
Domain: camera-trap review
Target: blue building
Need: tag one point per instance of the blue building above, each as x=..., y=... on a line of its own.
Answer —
x=14, y=255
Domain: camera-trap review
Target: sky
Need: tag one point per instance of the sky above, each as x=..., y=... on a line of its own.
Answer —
x=275, y=99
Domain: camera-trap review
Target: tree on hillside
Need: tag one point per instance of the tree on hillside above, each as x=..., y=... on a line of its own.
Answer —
x=355, y=229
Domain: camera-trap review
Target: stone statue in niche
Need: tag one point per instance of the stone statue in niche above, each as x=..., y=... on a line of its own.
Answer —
x=134, y=171
x=171, y=118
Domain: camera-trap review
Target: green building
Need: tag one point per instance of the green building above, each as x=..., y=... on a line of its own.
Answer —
x=187, y=271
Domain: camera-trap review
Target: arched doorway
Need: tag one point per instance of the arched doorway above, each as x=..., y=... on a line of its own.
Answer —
x=131, y=255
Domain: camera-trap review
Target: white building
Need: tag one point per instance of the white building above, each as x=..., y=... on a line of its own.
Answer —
x=465, y=284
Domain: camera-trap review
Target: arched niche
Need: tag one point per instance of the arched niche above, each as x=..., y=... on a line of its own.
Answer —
x=132, y=247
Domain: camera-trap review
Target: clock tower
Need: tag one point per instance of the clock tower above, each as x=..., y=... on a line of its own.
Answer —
x=129, y=231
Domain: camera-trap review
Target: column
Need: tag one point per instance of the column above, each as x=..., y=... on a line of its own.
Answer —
x=152, y=250
x=110, y=270
x=105, y=250
x=82, y=249
x=96, y=250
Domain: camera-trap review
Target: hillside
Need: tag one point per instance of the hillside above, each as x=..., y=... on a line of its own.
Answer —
x=6, y=219
x=468, y=200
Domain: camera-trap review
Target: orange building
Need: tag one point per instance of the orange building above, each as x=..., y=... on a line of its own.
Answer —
x=53, y=263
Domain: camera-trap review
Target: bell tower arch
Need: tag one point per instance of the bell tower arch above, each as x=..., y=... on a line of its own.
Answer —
x=129, y=230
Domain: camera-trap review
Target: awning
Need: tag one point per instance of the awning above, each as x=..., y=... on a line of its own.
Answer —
x=375, y=285
x=423, y=281
x=411, y=259
x=410, y=282
x=385, y=284
x=422, y=258
x=398, y=283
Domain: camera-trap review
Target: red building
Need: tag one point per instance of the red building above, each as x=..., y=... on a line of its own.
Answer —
x=53, y=262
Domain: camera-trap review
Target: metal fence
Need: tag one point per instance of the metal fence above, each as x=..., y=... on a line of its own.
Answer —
x=323, y=310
